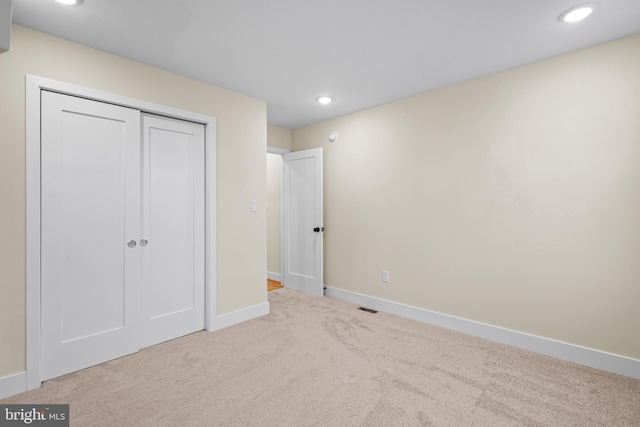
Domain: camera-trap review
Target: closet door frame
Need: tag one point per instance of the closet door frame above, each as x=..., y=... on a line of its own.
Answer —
x=34, y=86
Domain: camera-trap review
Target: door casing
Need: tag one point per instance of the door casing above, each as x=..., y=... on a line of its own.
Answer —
x=34, y=86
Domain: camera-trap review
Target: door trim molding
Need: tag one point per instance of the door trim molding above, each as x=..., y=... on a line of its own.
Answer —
x=276, y=150
x=34, y=86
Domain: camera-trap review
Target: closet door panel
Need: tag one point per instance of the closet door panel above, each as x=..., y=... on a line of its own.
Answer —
x=91, y=279
x=173, y=225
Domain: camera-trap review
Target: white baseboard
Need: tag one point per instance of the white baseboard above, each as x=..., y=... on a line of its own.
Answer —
x=13, y=384
x=239, y=316
x=274, y=276
x=573, y=353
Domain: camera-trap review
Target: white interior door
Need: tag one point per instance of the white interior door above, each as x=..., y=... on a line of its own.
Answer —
x=303, y=226
x=91, y=279
x=173, y=229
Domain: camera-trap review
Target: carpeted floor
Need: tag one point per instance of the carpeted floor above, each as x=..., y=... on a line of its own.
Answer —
x=321, y=362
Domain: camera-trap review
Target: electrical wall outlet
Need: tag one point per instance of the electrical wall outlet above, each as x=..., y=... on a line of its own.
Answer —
x=385, y=276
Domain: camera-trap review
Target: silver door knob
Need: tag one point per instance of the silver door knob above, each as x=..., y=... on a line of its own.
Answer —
x=143, y=242
x=131, y=243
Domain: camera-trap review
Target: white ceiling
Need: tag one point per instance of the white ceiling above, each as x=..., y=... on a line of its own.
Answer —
x=361, y=52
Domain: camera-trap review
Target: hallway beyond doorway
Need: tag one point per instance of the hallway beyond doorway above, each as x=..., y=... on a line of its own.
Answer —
x=273, y=284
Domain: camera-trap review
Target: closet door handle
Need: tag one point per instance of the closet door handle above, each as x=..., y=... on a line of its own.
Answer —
x=144, y=242
x=131, y=243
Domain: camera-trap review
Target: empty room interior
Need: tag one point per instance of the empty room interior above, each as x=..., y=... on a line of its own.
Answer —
x=446, y=196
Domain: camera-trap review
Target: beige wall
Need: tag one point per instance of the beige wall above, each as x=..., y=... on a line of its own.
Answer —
x=241, y=144
x=6, y=7
x=278, y=137
x=512, y=199
x=274, y=191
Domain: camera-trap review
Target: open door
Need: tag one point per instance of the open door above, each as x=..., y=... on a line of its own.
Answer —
x=303, y=227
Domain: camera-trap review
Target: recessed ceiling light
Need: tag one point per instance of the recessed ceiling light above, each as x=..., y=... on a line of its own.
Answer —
x=578, y=13
x=324, y=100
x=70, y=2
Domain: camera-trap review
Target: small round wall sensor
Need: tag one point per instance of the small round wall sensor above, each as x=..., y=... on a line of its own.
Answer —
x=333, y=136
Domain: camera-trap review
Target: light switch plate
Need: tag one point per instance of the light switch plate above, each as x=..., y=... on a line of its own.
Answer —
x=254, y=206
x=385, y=276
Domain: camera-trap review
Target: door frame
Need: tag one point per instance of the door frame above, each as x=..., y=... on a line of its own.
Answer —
x=34, y=86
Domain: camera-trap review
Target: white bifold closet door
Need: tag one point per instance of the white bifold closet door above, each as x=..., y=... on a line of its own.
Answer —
x=122, y=230
x=173, y=224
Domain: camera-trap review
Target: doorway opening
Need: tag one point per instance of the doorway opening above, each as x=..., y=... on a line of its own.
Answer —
x=275, y=171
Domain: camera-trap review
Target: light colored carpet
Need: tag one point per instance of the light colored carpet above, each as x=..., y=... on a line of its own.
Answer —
x=321, y=362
